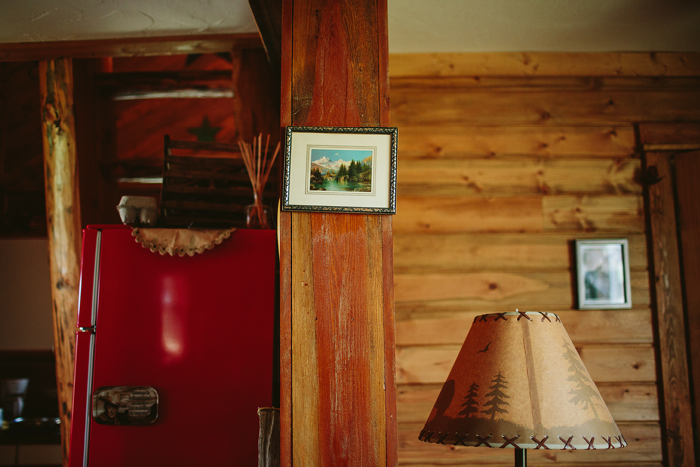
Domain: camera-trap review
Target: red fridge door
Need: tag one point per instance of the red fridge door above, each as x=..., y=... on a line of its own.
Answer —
x=198, y=331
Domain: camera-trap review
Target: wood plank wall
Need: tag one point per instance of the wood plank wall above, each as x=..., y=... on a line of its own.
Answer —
x=504, y=160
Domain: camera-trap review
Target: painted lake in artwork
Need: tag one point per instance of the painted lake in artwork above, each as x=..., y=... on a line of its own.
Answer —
x=340, y=170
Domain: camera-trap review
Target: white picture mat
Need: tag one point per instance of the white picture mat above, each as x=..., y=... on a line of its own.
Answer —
x=300, y=170
x=603, y=274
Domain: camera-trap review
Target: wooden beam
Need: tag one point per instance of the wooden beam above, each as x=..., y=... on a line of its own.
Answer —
x=338, y=390
x=63, y=222
x=670, y=321
x=166, y=84
x=687, y=168
x=268, y=17
x=129, y=47
x=545, y=64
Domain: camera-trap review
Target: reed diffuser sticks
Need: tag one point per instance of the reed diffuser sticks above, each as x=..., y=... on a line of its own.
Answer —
x=258, y=165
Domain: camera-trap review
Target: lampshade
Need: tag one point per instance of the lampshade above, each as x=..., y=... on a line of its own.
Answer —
x=518, y=382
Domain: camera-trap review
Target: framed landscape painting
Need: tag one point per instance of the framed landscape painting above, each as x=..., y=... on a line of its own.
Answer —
x=340, y=170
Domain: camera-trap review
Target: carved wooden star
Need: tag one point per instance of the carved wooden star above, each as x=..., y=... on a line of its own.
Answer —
x=205, y=132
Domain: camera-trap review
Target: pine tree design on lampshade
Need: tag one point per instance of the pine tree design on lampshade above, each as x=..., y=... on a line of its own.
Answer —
x=518, y=382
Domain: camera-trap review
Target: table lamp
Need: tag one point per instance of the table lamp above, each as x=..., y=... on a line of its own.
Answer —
x=518, y=382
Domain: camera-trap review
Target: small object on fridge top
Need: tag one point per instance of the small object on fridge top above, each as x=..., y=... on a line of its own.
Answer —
x=138, y=210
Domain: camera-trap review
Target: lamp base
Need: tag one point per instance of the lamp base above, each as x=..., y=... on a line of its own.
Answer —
x=520, y=457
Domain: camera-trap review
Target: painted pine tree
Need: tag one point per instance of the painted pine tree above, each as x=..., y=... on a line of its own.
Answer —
x=497, y=397
x=584, y=394
x=470, y=404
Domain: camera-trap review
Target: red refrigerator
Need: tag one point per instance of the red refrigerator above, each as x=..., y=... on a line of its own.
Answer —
x=173, y=355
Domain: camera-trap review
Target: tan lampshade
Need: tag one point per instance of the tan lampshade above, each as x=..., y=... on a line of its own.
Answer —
x=518, y=382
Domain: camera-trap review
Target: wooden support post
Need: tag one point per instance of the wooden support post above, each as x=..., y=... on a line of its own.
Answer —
x=338, y=393
x=660, y=143
x=63, y=223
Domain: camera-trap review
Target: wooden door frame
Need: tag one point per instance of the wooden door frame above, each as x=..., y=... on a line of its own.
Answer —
x=657, y=143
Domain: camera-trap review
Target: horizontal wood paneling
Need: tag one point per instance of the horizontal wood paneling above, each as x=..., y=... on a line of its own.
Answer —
x=440, y=141
x=455, y=214
x=489, y=290
x=605, y=363
x=559, y=83
x=468, y=214
x=517, y=64
x=644, y=445
x=594, y=213
x=669, y=133
x=503, y=161
x=589, y=326
x=626, y=401
x=544, y=108
x=519, y=176
x=416, y=252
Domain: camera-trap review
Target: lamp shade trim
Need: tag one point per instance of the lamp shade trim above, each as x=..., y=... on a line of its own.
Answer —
x=486, y=441
x=518, y=382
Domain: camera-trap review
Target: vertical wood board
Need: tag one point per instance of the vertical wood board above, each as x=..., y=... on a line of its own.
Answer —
x=670, y=320
x=341, y=289
x=687, y=171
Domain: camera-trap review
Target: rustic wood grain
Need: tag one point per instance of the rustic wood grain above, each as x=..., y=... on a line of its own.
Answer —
x=461, y=214
x=269, y=437
x=605, y=362
x=519, y=175
x=505, y=160
x=626, y=401
x=540, y=108
x=129, y=47
x=643, y=438
x=545, y=64
x=349, y=332
x=140, y=124
x=255, y=100
x=459, y=252
x=158, y=84
x=590, y=327
x=670, y=320
x=268, y=18
x=687, y=168
x=604, y=213
x=496, y=291
x=451, y=214
x=284, y=235
x=63, y=222
x=511, y=84
x=88, y=104
x=440, y=141
x=305, y=371
x=675, y=134
x=342, y=330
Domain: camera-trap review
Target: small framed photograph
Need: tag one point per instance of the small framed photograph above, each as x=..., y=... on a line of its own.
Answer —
x=340, y=170
x=603, y=274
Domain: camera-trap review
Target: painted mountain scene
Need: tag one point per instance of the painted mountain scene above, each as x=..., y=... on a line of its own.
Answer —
x=345, y=170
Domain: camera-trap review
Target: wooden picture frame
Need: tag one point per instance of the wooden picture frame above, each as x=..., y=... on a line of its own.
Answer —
x=331, y=169
x=603, y=274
